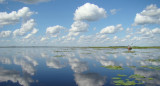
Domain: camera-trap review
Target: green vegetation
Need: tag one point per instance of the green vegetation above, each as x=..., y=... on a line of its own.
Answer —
x=125, y=83
x=113, y=67
x=85, y=53
x=116, y=78
x=152, y=67
x=150, y=78
x=121, y=75
x=136, y=76
x=153, y=60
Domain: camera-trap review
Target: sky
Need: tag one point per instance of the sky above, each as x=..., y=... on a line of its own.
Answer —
x=79, y=22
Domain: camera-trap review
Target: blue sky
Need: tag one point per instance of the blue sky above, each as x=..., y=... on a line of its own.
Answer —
x=80, y=22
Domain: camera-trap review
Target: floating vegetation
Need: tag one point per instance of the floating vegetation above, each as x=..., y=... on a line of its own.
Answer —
x=59, y=56
x=126, y=83
x=153, y=60
x=121, y=75
x=116, y=78
x=152, y=67
x=113, y=67
x=111, y=52
x=62, y=51
x=129, y=51
x=150, y=78
x=136, y=76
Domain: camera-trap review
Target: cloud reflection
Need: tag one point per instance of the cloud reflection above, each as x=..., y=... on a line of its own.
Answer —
x=89, y=79
x=14, y=76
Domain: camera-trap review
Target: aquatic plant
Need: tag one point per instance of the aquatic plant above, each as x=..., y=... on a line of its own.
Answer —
x=112, y=67
x=121, y=75
x=116, y=78
x=126, y=83
x=136, y=76
x=152, y=67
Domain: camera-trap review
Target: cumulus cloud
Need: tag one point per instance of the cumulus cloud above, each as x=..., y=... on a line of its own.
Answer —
x=34, y=31
x=5, y=34
x=148, y=32
x=54, y=30
x=90, y=79
x=1, y=1
x=150, y=15
x=79, y=26
x=111, y=29
x=14, y=17
x=32, y=1
x=113, y=11
x=44, y=38
x=89, y=12
x=25, y=28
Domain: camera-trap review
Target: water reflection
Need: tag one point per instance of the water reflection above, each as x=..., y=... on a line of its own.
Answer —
x=83, y=66
x=14, y=76
x=89, y=79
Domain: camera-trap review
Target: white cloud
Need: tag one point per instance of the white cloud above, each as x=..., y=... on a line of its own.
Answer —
x=25, y=28
x=128, y=36
x=113, y=11
x=44, y=38
x=115, y=37
x=14, y=17
x=156, y=30
x=1, y=1
x=5, y=34
x=151, y=15
x=111, y=29
x=90, y=79
x=34, y=31
x=89, y=12
x=79, y=26
x=32, y=1
x=54, y=30
x=148, y=32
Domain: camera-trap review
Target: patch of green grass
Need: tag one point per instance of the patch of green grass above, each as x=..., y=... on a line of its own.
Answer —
x=121, y=75
x=136, y=76
x=114, y=67
x=116, y=78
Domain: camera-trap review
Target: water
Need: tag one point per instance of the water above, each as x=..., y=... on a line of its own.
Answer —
x=77, y=66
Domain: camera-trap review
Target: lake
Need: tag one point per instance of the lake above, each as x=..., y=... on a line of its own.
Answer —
x=79, y=67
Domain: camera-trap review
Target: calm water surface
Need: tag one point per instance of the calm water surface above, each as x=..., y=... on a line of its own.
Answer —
x=77, y=66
